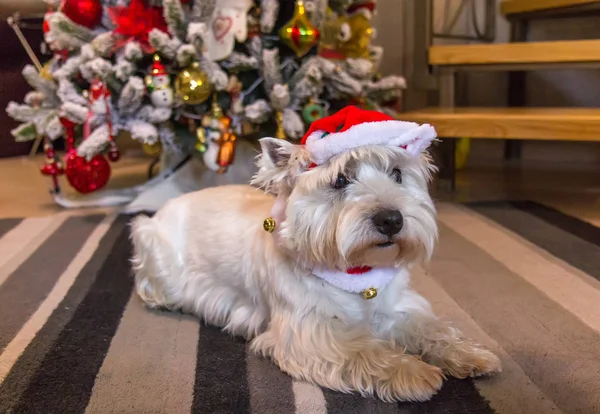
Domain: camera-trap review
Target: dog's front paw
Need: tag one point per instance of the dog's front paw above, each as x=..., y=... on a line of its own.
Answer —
x=412, y=380
x=469, y=360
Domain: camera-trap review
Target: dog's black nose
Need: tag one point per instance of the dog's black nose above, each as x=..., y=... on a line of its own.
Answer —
x=388, y=222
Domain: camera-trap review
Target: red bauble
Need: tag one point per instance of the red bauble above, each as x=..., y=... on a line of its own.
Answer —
x=87, y=176
x=86, y=13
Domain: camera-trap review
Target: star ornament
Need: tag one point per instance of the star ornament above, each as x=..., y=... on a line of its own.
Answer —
x=135, y=22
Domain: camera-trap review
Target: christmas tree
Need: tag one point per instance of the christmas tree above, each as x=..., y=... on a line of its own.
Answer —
x=192, y=76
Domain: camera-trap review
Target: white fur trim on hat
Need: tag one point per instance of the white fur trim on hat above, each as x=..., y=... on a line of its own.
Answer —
x=416, y=138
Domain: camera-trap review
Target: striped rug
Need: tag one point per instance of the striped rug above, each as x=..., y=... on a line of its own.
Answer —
x=519, y=277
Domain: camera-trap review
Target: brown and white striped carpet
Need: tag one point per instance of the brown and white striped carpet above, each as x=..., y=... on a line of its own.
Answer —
x=517, y=276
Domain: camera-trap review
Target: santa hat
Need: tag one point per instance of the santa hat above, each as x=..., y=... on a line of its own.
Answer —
x=158, y=69
x=352, y=127
x=366, y=7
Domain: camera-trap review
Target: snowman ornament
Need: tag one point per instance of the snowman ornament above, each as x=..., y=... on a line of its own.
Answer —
x=159, y=85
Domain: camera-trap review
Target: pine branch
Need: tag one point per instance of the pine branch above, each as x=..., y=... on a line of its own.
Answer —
x=257, y=112
x=271, y=70
x=195, y=36
x=268, y=17
x=94, y=143
x=163, y=44
x=292, y=124
x=279, y=97
x=359, y=68
x=75, y=112
x=66, y=33
x=96, y=68
x=123, y=69
x=385, y=89
x=22, y=113
x=53, y=127
x=238, y=62
x=142, y=131
x=154, y=115
x=45, y=86
x=68, y=93
x=104, y=44
x=307, y=82
x=175, y=18
x=339, y=83
x=186, y=55
x=132, y=95
x=202, y=10
x=133, y=52
x=217, y=76
x=34, y=98
x=25, y=132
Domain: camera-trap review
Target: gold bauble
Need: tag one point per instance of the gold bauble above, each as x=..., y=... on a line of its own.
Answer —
x=269, y=225
x=192, y=85
x=153, y=150
x=369, y=293
x=299, y=34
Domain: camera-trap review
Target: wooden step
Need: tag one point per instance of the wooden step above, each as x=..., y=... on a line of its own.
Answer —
x=575, y=51
x=566, y=124
x=509, y=7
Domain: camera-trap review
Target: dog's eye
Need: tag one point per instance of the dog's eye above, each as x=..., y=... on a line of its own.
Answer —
x=340, y=182
x=397, y=175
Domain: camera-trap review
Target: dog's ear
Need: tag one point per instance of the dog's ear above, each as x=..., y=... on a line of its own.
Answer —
x=279, y=164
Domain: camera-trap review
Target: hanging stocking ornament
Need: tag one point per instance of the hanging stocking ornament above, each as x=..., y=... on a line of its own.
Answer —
x=52, y=167
x=299, y=34
x=83, y=175
x=100, y=95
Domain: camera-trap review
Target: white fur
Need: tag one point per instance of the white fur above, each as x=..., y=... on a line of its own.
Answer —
x=206, y=253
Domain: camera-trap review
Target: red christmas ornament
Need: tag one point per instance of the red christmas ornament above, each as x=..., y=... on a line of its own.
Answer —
x=83, y=175
x=113, y=152
x=52, y=167
x=46, y=25
x=86, y=13
x=87, y=176
x=136, y=22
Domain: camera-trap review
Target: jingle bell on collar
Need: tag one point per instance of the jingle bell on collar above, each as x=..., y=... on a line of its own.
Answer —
x=269, y=224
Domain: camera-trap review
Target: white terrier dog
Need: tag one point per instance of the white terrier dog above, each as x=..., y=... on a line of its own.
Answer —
x=364, y=209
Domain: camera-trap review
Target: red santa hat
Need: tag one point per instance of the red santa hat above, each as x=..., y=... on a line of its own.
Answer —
x=158, y=69
x=352, y=127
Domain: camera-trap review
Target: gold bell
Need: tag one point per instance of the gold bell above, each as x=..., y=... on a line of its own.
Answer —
x=369, y=293
x=269, y=224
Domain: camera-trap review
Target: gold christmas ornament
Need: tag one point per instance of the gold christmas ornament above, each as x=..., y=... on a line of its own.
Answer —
x=280, y=132
x=200, y=140
x=269, y=225
x=369, y=293
x=361, y=33
x=346, y=37
x=192, y=85
x=299, y=34
x=154, y=150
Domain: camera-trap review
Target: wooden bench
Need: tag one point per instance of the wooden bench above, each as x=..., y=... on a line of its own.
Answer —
x=515, y=122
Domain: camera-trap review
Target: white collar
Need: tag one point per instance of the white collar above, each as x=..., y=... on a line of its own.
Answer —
x=354, y=282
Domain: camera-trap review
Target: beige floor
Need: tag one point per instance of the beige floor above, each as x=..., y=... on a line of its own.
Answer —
x=576, y=191
x=24, y=192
